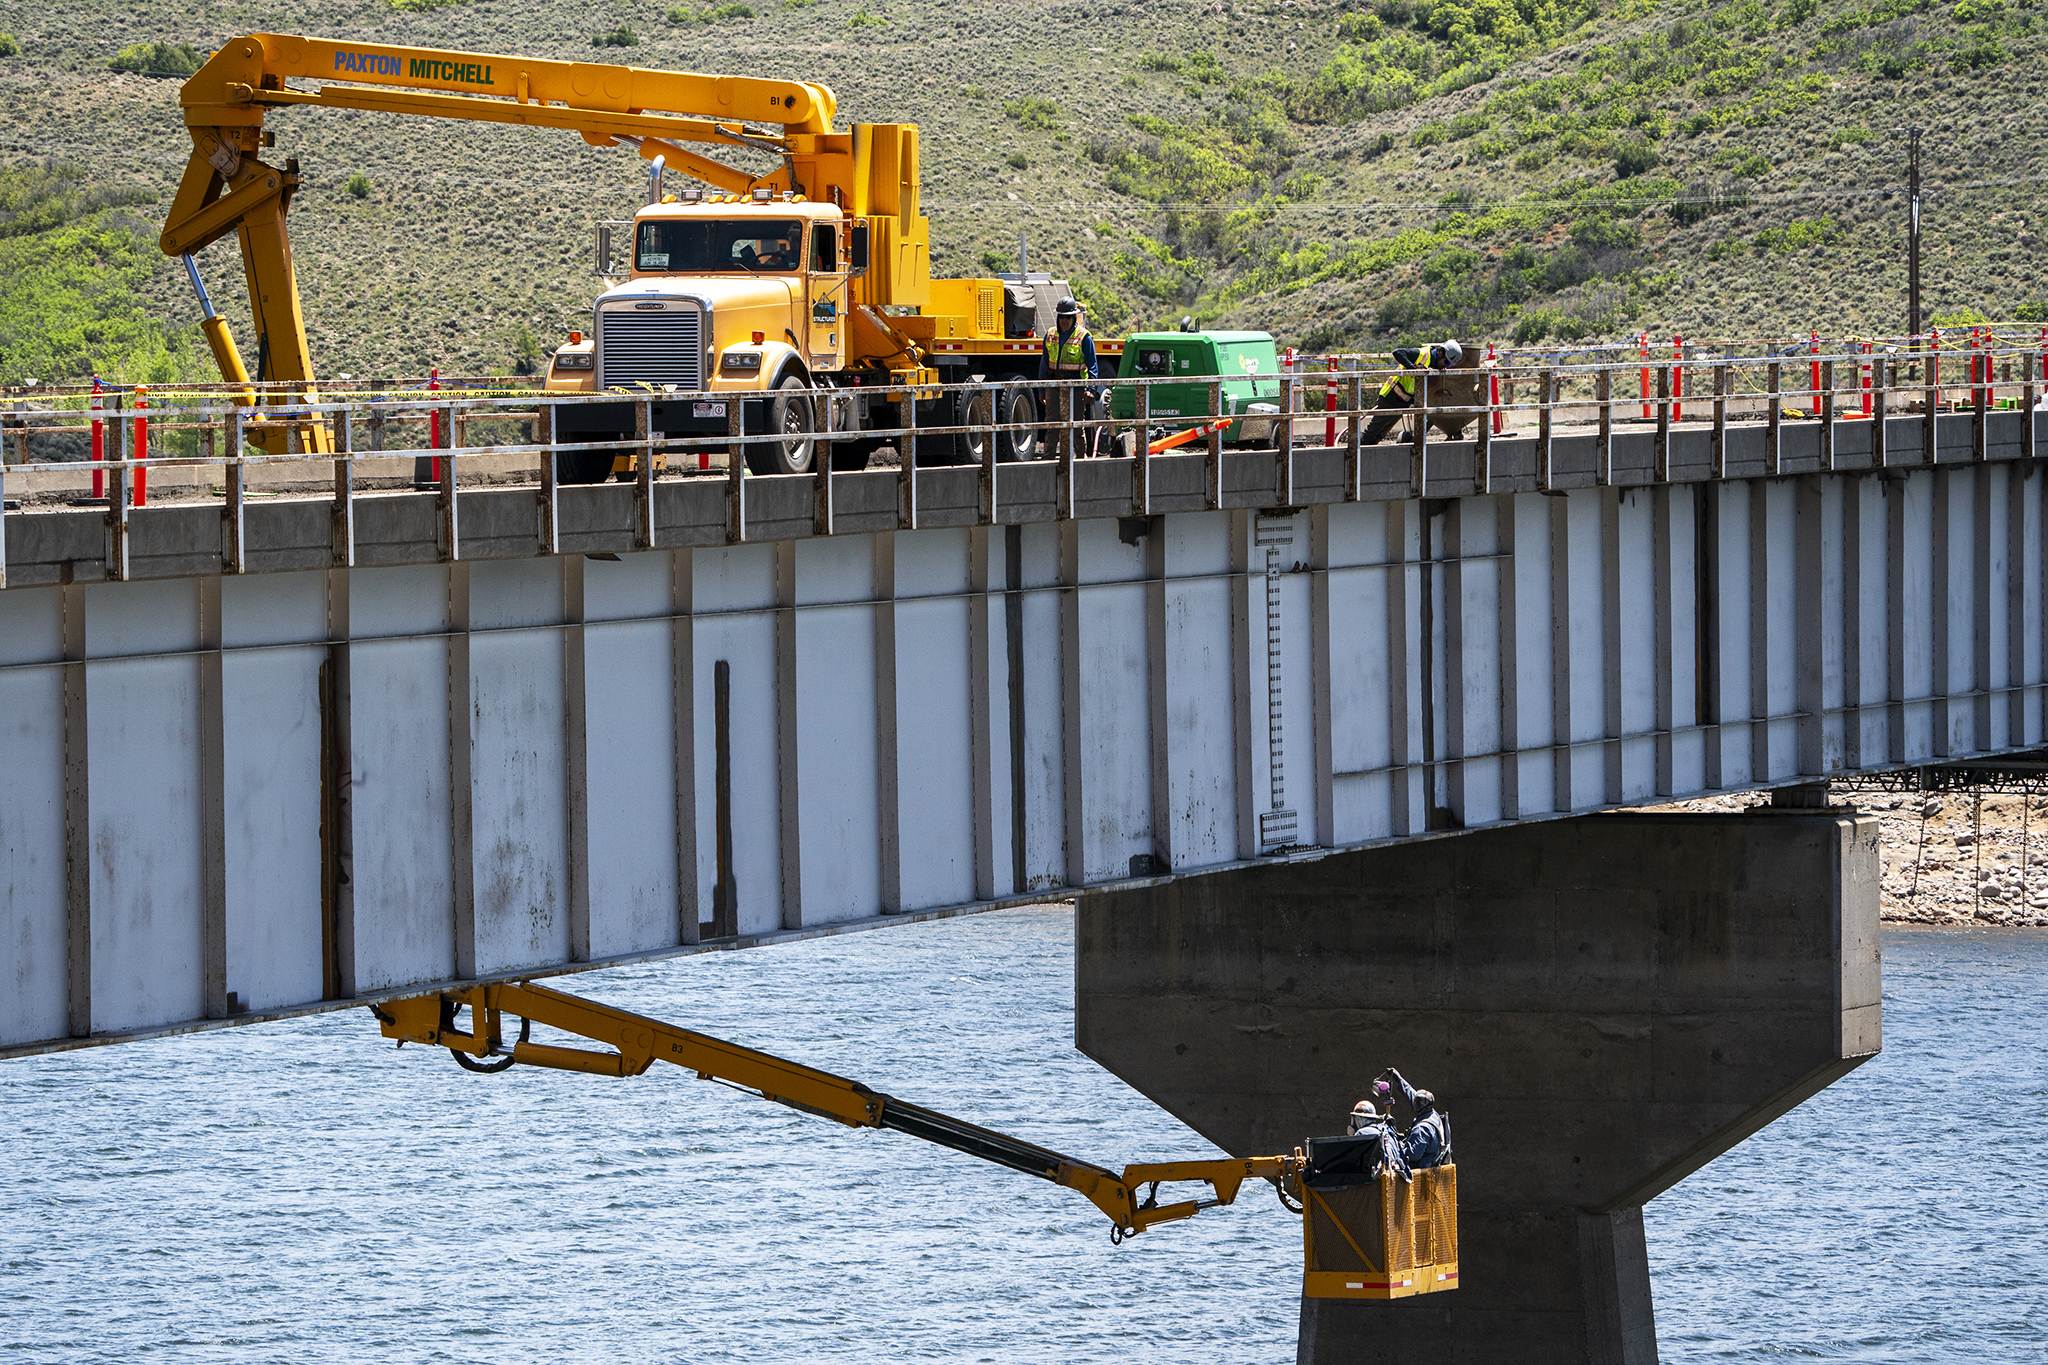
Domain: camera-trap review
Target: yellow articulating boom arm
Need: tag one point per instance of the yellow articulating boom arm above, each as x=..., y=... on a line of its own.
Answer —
x=227, y=189
x=431, y=1019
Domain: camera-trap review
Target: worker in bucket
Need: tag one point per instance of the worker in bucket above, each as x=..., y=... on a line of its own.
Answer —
x=1397, y=395
x=1428, y=1139
x=1366, y=1122
x=1070, y=354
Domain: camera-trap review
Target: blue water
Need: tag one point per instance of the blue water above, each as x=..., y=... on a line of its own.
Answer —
x=301, y=1192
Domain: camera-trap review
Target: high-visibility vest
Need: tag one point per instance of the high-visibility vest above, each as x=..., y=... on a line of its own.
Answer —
x=1404, y=382
x=1064, y=355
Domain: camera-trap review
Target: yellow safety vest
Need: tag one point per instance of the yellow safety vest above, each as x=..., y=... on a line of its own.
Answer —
x=1404, y=382
x=1065, y=357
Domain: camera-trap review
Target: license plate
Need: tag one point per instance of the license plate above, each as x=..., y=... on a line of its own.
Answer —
x=707, y=409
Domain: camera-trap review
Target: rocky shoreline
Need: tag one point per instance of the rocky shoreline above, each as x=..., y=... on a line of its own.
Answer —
x=1949, y=858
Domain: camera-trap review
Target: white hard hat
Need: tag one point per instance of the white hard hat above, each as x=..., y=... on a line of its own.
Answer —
x=1454, y=355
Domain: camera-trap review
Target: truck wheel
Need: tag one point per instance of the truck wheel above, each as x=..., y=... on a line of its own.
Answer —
x=968, y=409
x=789, y=416
x=1018, y=407
x=584, y=466
x=850, y=454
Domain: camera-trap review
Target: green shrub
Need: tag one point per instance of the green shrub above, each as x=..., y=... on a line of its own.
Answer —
x=621, y=36
x=8, y=47
x=1429, y=135
x=358, y=185
x=1632, y=158
x=1536, y=324
x=996, y=262
x=1018, y=161
x=2034, y=311
x=710, y=14
x=157, y=59
x=1159, y=61
x=1033, y=112
x=798, y=4
x=865, y=20
x=1603, y=233
x=1468, y=125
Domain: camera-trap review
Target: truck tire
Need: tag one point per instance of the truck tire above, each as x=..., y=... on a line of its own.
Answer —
x=790, y=416
x=1017, y=406
x=968, y=408
x=585, y=466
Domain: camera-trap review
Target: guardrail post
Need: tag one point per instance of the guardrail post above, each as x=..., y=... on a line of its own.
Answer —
x=1482, y=450
x=550, y=496
x=1546, y=448
x=990, y=505
x=232, y=555
x=1662, y=453
x=1719, y=440
x=1212, y=472
x=1603, y=448
x=1929, y=427
x=1880, y=443
x=821, y=463
x=117, y=498
x=1678, y=379
x=1283, y=448
x=1354, y=441
x=1774, y=418
x=451, y=528
x=1141, y=465
x=1980, y=436
x=643, y=482
x=1063, y=409
x=342, y=517
x=906, y=465
x=1418, y=477
x=1827, y=414
x=2027, y=418
x=735, y=470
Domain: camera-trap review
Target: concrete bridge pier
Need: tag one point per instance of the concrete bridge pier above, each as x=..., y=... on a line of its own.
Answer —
x=1602, y=1004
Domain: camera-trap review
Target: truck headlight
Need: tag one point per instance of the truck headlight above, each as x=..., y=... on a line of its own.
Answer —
x=740, y=362
x=573, y=360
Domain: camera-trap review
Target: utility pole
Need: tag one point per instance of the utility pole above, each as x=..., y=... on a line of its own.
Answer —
x=1913, y=234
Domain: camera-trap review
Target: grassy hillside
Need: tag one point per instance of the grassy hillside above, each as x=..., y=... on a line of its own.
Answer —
x=1343, y=174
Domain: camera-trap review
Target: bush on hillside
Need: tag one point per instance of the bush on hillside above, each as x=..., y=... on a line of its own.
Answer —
x=8, y=47
x=1633, y=157
x=156, y=59
x=358, y=185
x=618, y=37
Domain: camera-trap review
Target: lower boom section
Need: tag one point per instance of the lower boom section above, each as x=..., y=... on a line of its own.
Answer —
x=1367, y=1237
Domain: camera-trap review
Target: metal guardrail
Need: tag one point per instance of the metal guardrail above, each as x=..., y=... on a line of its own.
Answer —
x=364, y=424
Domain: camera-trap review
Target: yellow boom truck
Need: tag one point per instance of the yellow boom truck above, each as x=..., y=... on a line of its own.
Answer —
x=766, y=291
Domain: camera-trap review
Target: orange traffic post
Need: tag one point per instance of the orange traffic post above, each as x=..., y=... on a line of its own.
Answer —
x=1329, y=406
x=141, y=484
x=99, y=440
x=1643, y=339
x=1813, y=350
x=1863, y=376
x=1493, y=387
x=1678, y=379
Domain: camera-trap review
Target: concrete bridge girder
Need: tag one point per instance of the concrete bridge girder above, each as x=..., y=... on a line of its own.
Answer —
x=235, y=793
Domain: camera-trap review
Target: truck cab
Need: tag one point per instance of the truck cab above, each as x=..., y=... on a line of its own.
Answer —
x=1246, y=362
x=720, y=293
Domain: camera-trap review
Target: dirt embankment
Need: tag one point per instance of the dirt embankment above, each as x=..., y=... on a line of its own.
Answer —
x=1950, y=858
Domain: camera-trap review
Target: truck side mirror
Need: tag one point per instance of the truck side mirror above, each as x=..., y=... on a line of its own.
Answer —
x=607, y=255
x=857, y=248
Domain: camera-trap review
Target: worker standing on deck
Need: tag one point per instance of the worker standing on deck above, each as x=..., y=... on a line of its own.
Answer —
x=1070, y=353
x=1397, y=395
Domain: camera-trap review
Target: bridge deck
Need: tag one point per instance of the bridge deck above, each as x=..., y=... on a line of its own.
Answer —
x=399, y=748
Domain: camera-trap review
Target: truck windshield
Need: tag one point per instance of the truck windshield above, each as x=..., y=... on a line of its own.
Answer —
x=756, y=245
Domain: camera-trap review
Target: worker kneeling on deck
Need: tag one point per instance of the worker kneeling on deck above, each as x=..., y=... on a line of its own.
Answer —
x=1397, y=395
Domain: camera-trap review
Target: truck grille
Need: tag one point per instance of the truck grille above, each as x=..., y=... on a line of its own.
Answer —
x=635, y=347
